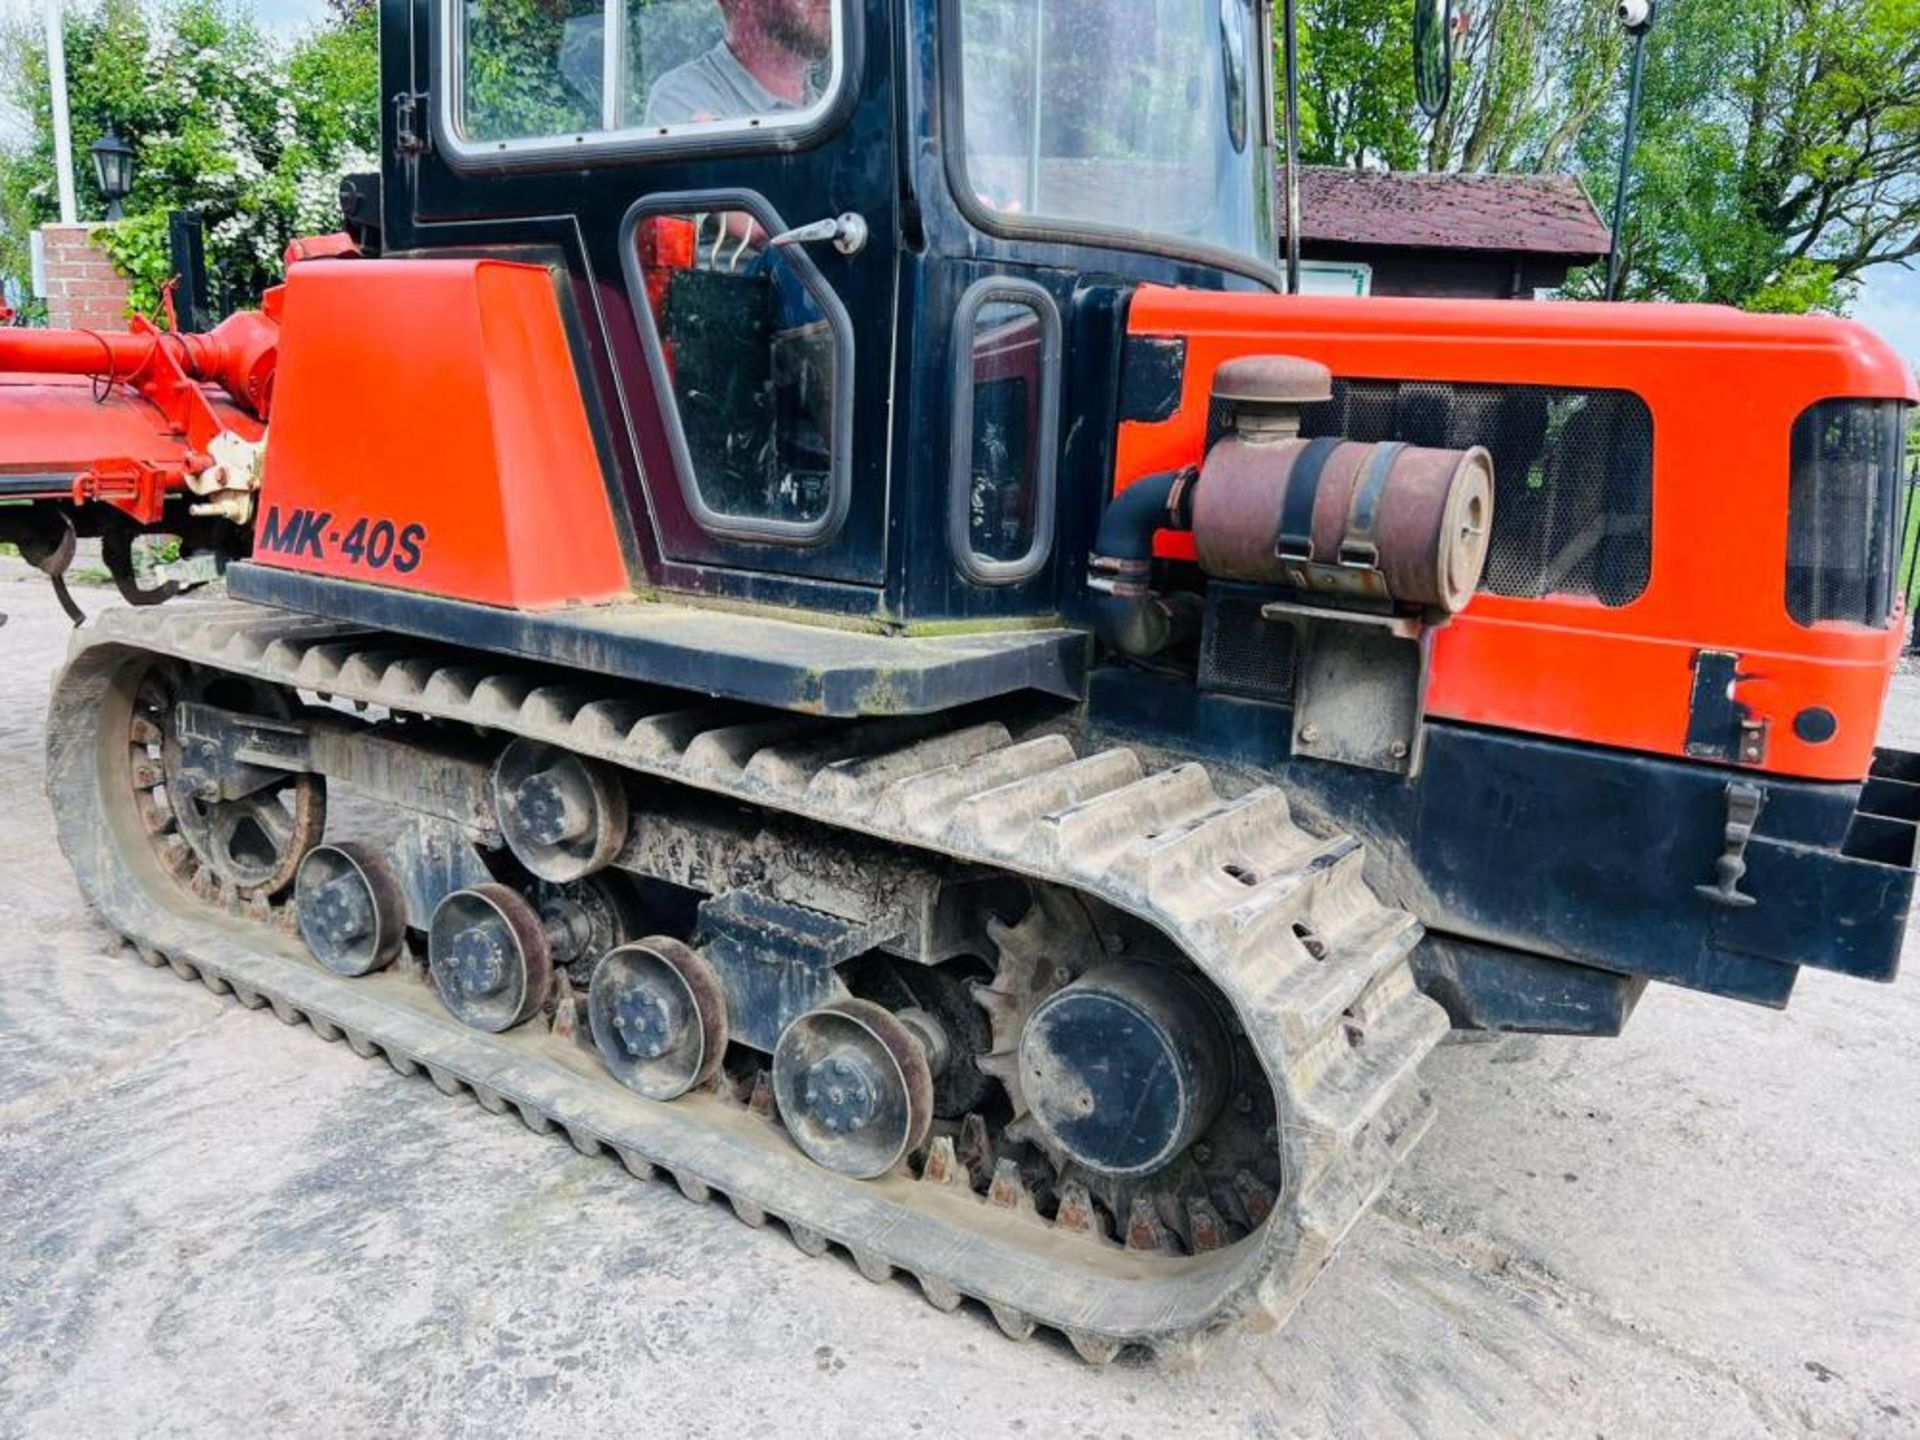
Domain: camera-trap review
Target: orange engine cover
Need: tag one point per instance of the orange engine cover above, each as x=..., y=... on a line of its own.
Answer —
x=429, y=434
x=1723, y=389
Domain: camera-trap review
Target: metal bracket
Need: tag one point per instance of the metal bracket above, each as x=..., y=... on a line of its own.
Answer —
x=410, y=137
x=1360, y=692
x=433, y=858
x=224, y=754
x=1744, y=802
x=775, y=961
x=1719, y=726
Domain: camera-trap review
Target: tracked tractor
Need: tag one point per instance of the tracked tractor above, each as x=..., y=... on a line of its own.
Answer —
x=847, y=643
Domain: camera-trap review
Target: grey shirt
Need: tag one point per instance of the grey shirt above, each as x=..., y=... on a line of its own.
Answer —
x=714, y=86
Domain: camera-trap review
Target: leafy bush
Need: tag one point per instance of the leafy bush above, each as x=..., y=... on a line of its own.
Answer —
x=223, y=120
x=139, y=250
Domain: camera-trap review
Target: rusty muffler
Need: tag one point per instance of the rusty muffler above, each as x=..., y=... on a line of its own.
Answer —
x=1402, y=528
x=1375, y=521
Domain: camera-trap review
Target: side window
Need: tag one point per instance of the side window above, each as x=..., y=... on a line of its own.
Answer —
x=1006, y=385
x=530, y=73
x=531, y=69
x=755, y=353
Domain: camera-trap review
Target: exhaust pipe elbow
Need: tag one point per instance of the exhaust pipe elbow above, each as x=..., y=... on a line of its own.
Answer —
x=1128, y=616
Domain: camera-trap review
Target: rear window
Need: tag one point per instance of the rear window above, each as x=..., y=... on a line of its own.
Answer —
x=1844, y=516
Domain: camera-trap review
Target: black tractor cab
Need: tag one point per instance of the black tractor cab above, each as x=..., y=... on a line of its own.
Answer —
x=849, y=277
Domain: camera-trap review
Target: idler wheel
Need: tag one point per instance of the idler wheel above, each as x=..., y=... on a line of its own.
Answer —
x=562, y=817
x=350, y=908
x=1124, y=1068
x=489, y=957
x=251, y=843
x=853, y=1087
x=658, y=1017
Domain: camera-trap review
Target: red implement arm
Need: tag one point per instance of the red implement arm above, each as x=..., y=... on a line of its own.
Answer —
x=170, y=373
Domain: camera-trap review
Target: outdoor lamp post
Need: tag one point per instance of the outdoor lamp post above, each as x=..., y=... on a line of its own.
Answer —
x=113, y=170
x=1636, y=18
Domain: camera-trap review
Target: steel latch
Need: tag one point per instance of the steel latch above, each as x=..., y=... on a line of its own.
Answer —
x=1744, y=801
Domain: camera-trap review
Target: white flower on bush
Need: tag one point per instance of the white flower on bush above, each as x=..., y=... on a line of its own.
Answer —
x=220, y=126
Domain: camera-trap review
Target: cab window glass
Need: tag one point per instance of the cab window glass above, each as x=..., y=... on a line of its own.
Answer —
x=753, y=364
x=1138, y=117
x=1002, y=458
x=532, y=70
x=1006, y=425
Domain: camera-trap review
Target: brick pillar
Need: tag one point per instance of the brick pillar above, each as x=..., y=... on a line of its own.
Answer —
x=84, y=291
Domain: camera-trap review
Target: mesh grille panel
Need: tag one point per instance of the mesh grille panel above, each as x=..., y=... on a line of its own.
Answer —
x=1573, y=473
x=1240, y=652
x=1843, y=511
x=1219, y=420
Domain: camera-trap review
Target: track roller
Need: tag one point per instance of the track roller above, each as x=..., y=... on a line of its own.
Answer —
x=853, y=1087
x=350, y=908
x=658, y=1017
x=563, y=817
x=489, y=957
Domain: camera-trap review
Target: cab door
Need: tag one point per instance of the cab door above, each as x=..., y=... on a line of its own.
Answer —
x=739, y=239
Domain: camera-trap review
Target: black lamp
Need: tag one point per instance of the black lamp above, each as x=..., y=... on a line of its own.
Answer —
x=113, y=169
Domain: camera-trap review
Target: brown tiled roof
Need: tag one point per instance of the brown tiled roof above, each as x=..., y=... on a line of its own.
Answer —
x=1517, y=214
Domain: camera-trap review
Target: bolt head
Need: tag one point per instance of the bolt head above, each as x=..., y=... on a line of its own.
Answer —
x=842, y=1092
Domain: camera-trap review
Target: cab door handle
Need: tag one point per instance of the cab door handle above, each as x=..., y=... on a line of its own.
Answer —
x=848, y=233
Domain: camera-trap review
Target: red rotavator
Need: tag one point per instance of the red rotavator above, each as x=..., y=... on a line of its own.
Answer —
x=114, y=434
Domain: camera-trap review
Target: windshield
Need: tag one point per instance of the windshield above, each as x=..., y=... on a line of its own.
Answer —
x=1150, y=117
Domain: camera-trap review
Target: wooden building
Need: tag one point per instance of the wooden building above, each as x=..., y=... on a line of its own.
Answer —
x=1404, y=233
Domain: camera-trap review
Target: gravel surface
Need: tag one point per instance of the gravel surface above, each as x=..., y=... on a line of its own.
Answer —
x=216, y=1225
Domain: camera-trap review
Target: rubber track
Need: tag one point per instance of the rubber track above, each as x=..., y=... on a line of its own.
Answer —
x=1337, y=1021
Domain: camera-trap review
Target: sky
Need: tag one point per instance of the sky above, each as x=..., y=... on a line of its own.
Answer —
x=1889, y=300
x=1890, y=304
x=279, y=15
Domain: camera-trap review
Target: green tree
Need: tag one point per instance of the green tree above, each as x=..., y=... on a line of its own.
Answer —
x=1779, y=151
x=1356, y=85
x=1530, y=77
x=252, y=135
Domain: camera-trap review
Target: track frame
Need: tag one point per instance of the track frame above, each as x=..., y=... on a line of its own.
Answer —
x=1233, y=882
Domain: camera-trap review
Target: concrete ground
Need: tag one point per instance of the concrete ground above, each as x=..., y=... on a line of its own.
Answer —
x=216, y=1225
